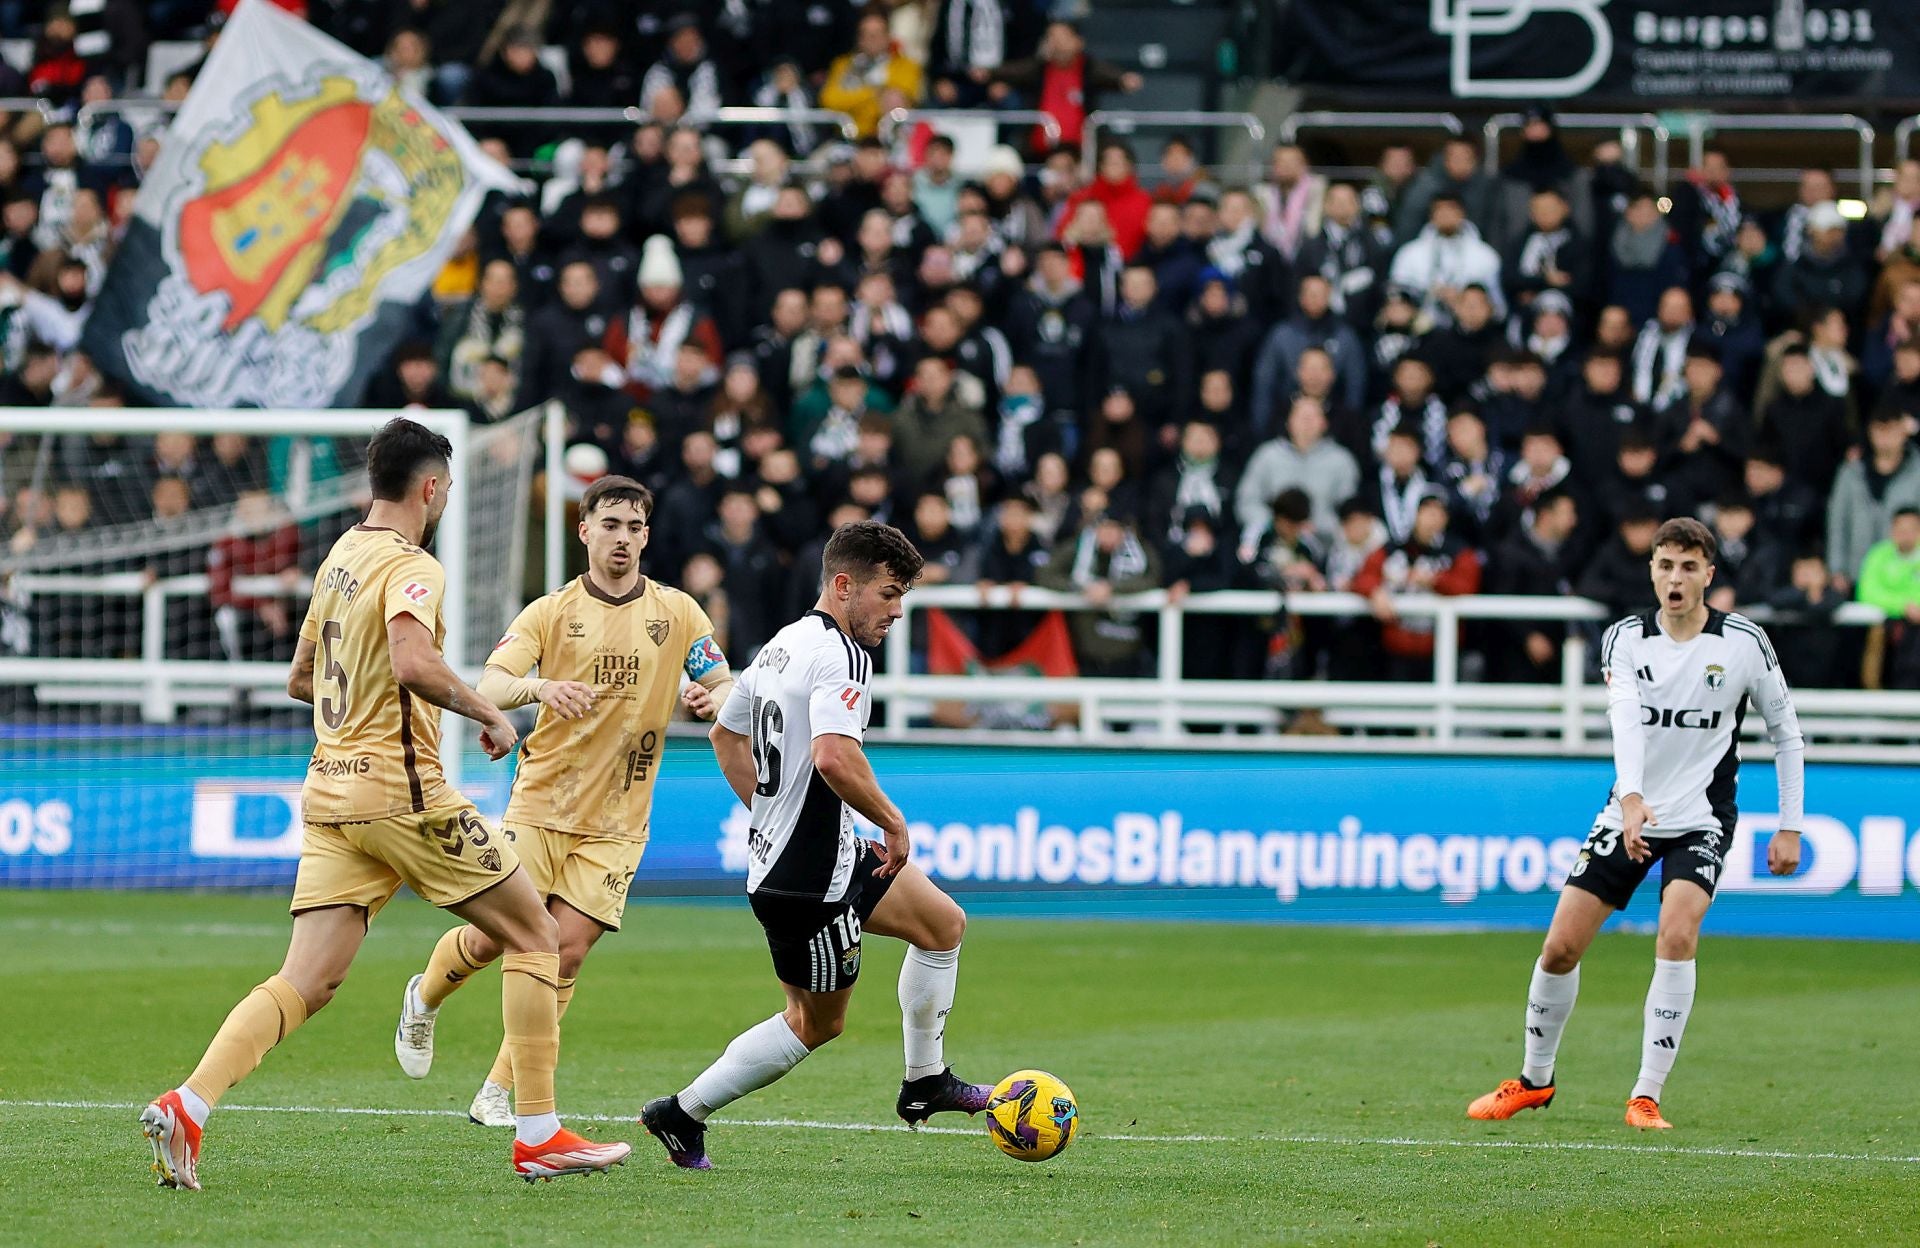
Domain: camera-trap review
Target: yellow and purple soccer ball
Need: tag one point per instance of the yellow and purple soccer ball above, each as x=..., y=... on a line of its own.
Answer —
x=1032, y=1115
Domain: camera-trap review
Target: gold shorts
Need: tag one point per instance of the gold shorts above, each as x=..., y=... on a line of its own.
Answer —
x=445, y=855
x=589, y=873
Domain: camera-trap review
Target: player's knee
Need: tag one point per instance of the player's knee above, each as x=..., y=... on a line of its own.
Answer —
x=1676, y=943
x=316, y=993
x=947, y=927
x=539, y=933
x=1558, y=956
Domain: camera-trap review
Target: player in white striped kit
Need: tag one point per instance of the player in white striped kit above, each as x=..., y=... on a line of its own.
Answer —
x=1678, y=681
x=788, y=741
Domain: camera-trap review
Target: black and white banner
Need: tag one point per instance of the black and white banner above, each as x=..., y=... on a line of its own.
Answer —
x=301, y=205
x=1669, y=52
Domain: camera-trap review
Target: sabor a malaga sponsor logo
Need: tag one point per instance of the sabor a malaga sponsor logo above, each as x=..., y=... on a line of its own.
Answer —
x=43, y=828
x=1158, y=849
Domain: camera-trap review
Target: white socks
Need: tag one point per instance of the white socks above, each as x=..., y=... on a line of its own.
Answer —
x=1669, y=1001
x=1549, y=1005
x=757, y=1057
x=927, y=981
x=533, y=1129
x=197, y=1109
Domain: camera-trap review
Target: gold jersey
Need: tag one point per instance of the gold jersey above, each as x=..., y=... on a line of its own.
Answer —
x=593, y=776
x=379, y=746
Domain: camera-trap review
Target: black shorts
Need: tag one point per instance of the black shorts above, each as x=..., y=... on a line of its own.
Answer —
x=816, y=944
x=1604, y=869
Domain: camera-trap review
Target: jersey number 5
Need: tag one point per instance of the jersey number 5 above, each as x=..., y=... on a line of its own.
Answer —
x=765, y=722
x=333, y=713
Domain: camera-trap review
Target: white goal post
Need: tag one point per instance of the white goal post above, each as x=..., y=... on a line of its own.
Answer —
x=110, y=621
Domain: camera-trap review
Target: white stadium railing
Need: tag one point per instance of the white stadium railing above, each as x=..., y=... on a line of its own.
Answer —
x=1444, y=714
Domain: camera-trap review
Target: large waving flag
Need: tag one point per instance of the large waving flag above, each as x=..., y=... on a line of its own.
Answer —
x=302, y=203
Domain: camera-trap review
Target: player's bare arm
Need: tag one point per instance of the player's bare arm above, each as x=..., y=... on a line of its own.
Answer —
x=734, y=752
x=844, y=766
x=300, y=676
x=421, y=671
x=1635, y=816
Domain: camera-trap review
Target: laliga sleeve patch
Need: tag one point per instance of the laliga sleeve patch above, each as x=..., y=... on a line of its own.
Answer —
x=416, y=593
x=702, y=657
x=506, y=640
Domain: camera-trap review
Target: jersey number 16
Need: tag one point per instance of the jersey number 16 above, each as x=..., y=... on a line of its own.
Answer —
x=765, y=723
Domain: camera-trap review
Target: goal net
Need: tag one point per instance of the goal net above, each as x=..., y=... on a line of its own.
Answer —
x=153, y=577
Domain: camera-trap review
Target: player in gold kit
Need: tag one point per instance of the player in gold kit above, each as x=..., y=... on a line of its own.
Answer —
x=610, y=647
x=379, y=813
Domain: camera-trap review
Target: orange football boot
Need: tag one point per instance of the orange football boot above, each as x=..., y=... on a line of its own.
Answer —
x=1644, y=1112
x=566, y=1153
x=1512, y=1096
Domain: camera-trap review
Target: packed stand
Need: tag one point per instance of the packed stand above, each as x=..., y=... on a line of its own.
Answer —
x=1444, y=379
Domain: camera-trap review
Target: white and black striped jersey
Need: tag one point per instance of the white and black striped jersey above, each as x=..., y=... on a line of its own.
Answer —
x=809, y=681
x=1676, y=709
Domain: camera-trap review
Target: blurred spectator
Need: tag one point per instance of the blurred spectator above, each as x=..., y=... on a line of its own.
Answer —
x=1785, y=511
x=1238, y=251
x=1734, y=330
x=1868, y=491
x=1705, y=435
x=1532, y=561
x=1306, y=459
x=1429, y=561
x=752, y=573
x=1890, y=582
x=931, y=417
x=1313, y=325
x=1617, y=575
x=1145, y=351
x=1643, y=260
x=1181, y=175
x=1349, y=256
x=1454, y=173
x=557, y=332
x=513, y=78
x=684, y=68
x=1548, y=254
x=646, y=343
x=873, y=78
x=1597, y=414
x=1290, y=200
x=1105, y=560
x=1749, y=569
x=1472, y=475
x=1197, y=481
x=1118, y=192
x=969, y=42
x=1660, y=351
x=261, y=541
x=1447, y=256
x=1806, y=423
x=491, y=325
x=1825, y=272
x=1062, y=81
x=1396, y=488
x=1707, y=212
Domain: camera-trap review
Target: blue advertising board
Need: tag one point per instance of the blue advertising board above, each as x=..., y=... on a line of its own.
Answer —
x=1276, y=838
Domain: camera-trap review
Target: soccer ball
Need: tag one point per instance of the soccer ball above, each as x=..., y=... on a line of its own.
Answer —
x=1032, y=1115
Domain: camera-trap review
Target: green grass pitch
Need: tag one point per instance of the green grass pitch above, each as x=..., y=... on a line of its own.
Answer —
x=1326, y=1069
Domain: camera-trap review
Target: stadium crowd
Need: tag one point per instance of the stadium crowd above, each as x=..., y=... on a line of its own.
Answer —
x=1443, y=378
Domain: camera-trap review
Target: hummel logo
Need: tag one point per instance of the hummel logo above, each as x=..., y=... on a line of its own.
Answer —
x=1535, y=1031
x=1665, y=1042
x=1643, y=673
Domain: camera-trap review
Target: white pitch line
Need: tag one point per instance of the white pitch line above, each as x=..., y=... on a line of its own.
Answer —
x=1334, y=1141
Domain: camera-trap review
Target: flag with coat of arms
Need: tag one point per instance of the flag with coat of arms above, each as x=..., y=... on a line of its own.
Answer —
x=301, y=205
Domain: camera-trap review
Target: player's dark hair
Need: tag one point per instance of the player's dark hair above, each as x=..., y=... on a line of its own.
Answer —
x=397, y=455
x=1684, y=533
x=612, y=489
x=1906, y=511
x=865, y=548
